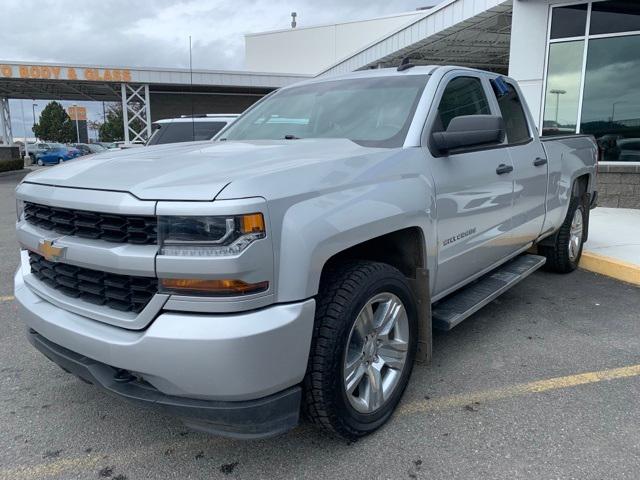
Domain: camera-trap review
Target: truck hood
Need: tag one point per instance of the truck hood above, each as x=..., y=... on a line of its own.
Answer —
x=190, y=171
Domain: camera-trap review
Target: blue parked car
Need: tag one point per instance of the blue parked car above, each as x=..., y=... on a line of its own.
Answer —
x=54, y=153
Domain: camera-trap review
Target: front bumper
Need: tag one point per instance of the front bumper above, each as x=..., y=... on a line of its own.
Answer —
x=200, y=359
x=259, y=418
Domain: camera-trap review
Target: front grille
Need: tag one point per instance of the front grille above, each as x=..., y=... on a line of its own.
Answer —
x=121, y=292
x=138, y=229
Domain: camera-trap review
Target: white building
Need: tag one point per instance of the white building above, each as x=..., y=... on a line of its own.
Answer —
x=309, y=50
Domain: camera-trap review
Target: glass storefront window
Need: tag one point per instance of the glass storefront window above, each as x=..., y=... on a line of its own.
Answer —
x=569, y=21
x=611, y=104
x=563, y=88
x=615, y=16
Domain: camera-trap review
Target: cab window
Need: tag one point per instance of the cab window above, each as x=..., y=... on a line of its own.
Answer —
x=512, y=111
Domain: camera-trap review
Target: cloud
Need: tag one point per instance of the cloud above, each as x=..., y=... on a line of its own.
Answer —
x=155, y=33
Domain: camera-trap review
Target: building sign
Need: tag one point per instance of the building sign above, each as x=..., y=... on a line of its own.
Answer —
x=77, y=113
x=54, y=72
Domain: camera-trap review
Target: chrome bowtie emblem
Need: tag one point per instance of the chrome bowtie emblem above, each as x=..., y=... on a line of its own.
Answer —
x=50, y=251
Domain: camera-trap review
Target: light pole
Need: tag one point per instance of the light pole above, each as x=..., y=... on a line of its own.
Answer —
x=613, y=111
x=75, y=114
x=557, y=93
x=33, y=109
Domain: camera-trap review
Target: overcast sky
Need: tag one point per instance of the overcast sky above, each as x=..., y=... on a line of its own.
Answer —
x=155, y=32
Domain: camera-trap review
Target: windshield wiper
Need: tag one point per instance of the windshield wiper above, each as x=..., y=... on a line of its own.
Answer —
x=291, y=137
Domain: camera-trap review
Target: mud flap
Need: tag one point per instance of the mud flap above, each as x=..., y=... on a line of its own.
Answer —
x=420, y=287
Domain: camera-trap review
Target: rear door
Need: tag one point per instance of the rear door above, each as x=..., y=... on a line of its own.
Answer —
x=473, y=200
x=529, y=160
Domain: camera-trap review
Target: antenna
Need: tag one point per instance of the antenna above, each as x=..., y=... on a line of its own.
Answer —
x=405, y=64
x=193, y=122
x=293, y=19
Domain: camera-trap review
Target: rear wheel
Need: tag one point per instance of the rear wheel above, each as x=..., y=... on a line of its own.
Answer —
x=60, y=160
x=364, y=345
x=564, y=256
x=40, y=162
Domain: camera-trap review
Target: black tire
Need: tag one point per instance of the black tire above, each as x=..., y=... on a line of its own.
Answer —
x=60, y=160
x=558, y=258
x=343, y=293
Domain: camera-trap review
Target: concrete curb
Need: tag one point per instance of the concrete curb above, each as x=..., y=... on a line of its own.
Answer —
x=611, y=267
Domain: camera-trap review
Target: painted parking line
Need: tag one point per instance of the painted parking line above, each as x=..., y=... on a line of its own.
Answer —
x=63, y=467
x=88, y=462
x=539, y=386
x=45, y=470
x=7, y=298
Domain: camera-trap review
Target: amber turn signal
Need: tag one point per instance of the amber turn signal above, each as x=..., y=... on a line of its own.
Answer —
x=199, y=286
x=252, y=223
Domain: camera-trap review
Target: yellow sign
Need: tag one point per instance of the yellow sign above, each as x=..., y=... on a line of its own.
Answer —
x=77, y=113
x=53, y=72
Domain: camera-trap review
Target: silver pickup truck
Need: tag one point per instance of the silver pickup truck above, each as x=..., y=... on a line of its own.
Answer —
x=297, y=263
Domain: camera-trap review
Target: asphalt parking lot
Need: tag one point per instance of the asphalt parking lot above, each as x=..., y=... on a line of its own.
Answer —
x=542, y=383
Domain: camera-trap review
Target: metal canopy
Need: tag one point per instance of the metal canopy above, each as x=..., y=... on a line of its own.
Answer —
x=130, y=86
x=482, y=42
x=59, y=90
x=468, y=33
x=105, y=92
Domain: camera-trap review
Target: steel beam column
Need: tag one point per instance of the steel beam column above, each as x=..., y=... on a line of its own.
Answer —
x=6, y=134
x=125, y=112
x=147, y=109
x=136, y=112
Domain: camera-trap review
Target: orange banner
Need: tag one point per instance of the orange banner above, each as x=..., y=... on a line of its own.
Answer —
x=53, y=72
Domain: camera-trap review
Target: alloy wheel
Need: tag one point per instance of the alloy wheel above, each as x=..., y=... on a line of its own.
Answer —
x=575, y=235
x=376, y=353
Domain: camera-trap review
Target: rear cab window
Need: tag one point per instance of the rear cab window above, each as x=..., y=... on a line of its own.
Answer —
x=512, y=111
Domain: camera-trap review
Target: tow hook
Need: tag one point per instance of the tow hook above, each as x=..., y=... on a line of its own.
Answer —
x=123, y=376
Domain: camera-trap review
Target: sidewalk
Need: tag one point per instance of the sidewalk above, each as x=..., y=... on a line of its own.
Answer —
x=613, y=248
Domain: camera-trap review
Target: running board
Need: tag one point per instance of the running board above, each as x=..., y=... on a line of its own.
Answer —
x=452, y=310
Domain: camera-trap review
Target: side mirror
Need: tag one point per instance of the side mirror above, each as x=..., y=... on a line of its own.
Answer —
x=470, y=131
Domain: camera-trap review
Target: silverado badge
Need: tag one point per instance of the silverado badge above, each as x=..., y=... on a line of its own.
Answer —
x=50, y=251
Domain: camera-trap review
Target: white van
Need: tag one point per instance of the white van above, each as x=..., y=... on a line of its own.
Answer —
x=189, y=128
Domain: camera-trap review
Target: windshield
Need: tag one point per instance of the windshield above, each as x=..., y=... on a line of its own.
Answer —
x=373, y=112
x=176, y=132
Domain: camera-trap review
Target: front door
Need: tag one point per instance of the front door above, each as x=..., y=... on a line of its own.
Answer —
x=474, y=190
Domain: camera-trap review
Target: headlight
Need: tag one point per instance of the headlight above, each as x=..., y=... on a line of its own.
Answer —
x=209, y=236
x=19, y=209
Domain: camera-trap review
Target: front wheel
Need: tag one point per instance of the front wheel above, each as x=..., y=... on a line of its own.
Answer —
x=564, y=256
x=60, y=160
x=40, y=162
x=364, y=345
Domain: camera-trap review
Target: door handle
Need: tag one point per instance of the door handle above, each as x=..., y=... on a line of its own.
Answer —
x=502, y=169
x=538, y=162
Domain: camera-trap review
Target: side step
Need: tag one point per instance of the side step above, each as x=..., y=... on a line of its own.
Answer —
x=452, y=310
